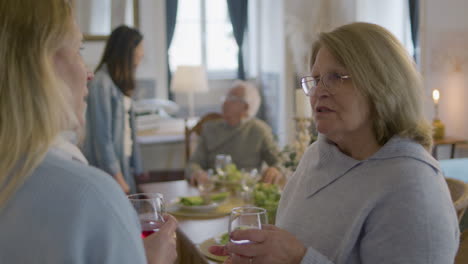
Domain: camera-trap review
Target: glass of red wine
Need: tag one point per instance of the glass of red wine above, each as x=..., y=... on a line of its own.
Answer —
x=150, y=210
x=246, y=217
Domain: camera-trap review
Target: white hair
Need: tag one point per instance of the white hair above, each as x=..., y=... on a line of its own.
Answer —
x=251, y=96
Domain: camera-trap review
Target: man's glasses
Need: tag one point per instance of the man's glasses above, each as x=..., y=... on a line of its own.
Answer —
x=233, y=98
x=331, y=81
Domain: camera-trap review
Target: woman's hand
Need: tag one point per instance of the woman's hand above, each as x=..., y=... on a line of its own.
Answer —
x=160, y=247
x=271, y=245
x=272, y=175
x=198, y=176
x=220, y=251
x=121, y=181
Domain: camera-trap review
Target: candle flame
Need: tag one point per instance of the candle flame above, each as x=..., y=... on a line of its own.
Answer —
x=435, y=95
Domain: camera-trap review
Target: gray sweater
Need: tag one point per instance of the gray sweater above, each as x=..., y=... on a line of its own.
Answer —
x=249, y=144
x=67, y=212
x=394, y=207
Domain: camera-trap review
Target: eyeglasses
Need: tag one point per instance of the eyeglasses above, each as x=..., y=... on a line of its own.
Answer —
x=331, y=81
x=233, y=98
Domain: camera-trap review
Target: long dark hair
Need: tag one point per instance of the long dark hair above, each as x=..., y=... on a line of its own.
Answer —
x=118, y=56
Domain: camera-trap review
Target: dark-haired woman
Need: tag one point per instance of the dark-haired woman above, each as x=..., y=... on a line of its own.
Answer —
x=110, y=134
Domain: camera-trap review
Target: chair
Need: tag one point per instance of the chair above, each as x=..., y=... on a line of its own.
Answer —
x=197, y=129
x=455, y=168
x=462, y=254
x=459, y=192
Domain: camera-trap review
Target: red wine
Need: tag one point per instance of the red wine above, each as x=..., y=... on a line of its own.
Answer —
x=146, y=233
x=148, y=227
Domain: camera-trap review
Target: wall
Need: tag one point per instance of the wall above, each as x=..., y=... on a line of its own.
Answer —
x=153, y=66
x=444, y=48
x=444, y=60
x=393, y=15
x=272, y=68
x=205, y=102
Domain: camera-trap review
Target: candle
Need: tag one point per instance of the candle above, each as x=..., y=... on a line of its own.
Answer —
x=303, y=108
x=435, y=96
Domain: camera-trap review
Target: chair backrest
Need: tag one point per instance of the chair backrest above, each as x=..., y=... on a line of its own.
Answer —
x=197, y=130
x=459, y=192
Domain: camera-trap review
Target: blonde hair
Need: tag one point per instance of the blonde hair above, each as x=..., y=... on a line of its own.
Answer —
x=251, y=96
x=34, y=103
x=383, y=71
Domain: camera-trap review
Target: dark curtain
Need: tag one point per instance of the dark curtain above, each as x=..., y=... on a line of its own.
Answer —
x=171, y=18
x=414, y=20
x=238, y=14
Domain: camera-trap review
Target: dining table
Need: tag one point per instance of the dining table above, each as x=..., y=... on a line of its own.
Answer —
x=196, y=229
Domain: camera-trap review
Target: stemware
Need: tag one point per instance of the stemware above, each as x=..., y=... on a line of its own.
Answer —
x=221, y=162
x=150, y=210
x=249, y=179
x=248, y=182
x=206, y=186
x=246, y=217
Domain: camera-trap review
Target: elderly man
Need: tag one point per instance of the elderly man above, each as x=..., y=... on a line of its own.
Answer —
x=247, y=139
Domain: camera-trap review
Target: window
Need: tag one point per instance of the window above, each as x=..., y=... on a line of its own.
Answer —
x=204, y=35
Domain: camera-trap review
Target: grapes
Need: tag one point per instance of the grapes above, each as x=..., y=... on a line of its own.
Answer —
x=267, y=196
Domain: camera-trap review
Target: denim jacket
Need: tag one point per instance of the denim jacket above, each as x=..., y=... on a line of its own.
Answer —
x=104, y=141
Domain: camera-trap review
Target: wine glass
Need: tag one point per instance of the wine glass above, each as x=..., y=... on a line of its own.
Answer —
x=206, y=186
x=150, y=209
x=221, y=161
x=246, y=217
x=248, y=182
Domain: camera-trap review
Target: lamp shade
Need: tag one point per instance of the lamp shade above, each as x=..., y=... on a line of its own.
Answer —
x=189, y=79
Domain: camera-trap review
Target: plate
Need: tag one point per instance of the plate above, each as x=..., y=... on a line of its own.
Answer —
x=194, y=208
x=199, y=208
x=223, y=209
x=218, y=239
x=205, y=245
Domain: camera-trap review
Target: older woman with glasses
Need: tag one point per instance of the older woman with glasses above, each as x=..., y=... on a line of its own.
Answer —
x=368, y=191
x=246, y=139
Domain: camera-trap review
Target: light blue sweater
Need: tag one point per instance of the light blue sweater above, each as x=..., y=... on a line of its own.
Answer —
x=67, y=212
x=394, y=207
x=105, y=121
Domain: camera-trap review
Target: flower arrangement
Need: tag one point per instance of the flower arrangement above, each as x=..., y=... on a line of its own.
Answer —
x=289, y=158
x=292, y=154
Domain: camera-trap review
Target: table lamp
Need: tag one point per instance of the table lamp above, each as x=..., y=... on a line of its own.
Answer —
x=189, y=80
x=439, y=128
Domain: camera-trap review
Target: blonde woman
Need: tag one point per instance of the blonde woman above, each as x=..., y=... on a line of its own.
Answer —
x=368, y=191
x=54, y=208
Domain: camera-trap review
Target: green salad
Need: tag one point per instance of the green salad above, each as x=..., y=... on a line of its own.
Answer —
x=224, y=239
x=230, y=174
x=198, y=200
